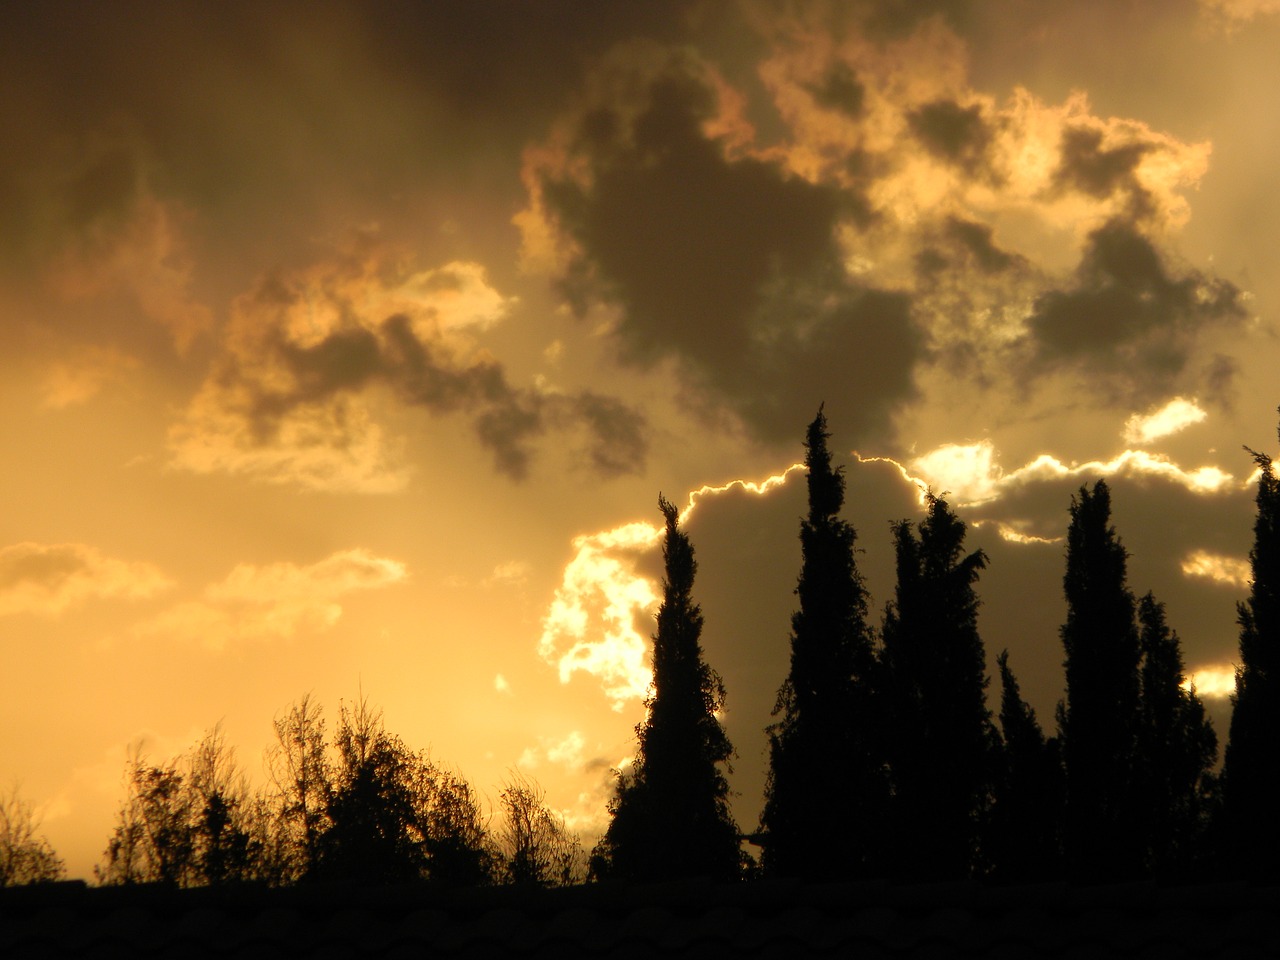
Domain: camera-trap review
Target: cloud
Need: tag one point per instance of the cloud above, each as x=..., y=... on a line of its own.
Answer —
x=652, y=198
x=1217, y=568
x=82, y=376
x=274, y=602
x=1174, y=416
x=1233, y=14
x=597, y=620
x=891, y=203
x=50, y=578
x=1213, y=682
x=970, y=473
x=1128, y=322
x=309, y=356
x=118, y=236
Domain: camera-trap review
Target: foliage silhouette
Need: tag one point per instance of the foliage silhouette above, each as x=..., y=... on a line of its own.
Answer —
x=1251, y=774
x=1024, y=842
x=1176, y=751
x=536, y=845
x=823, y=760
x=299, y=769
x=394, y=816
x=938, y=737
x=670, y=814
x=1099, y=721
x=25, y=855
x=190, y=822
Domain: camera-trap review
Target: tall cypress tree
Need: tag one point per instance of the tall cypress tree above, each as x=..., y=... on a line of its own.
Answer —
x=825, y=796
x=1176, y=752
x=1100, y=717
x=1251, y=773
x=1025, y=839
x=939, y=737
x=670, y=815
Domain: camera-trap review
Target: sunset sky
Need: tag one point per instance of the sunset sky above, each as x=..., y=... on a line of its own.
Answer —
x=347, y=347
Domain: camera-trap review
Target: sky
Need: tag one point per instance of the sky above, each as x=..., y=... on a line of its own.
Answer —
x=346, y=348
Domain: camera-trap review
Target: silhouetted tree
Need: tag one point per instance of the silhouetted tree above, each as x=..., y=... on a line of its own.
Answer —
x=224, y=843
x=1251, y=773
x=1177, y=749
x=450, y=821
x=25, y=855
x=537, y=847
x=394, y=816
x=372, y=835
x=1100, y=718
x=825, y=796
x=1025, y=838
x=939, y=740
x=299, y=768
x=189, y=822
x=153, y=839
x=670, y=814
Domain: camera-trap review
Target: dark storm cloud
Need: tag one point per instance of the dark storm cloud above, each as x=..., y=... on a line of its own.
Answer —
x=966, y=244
x=1129, y=320
x=421, y=372
x=1086, y=165
x=958, y=135
x=841, y=90
x=727, y=264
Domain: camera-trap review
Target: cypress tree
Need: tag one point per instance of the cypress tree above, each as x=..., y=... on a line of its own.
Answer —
x=824, y=799
x=1025, y=841
x=938, y=732
x=1100, y=717
x=1176, y=751
x=1251, y=773
x=670, y=814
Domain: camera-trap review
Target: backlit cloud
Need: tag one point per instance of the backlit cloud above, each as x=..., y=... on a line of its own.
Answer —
x=50, y=578
x=1176, y=415
x=274, y=602
x=1228, y=571
x=599, y=617
x=971, y=474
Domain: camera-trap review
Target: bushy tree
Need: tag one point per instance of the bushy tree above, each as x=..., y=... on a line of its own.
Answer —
x=537, y=847
x=188, y=822
x=1251, y=775
x=826, y=790
x=25, y=855
x=939, y=740
x=1176, y=751
x=670, y=814
x=300, y=774
x=1100, y=718
x=1024, y=842
x=394, y=816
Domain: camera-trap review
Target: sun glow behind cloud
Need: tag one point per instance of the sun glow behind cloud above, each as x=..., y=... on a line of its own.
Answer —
x=593, y=622
x=1212, y=682
x=970, y=473
x=1176, y=415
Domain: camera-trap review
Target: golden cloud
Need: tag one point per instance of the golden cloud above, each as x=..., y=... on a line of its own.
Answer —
x=1221, y=569
x=50, y=578
x=80, y=377
x=274, y=602
x=1174, y=416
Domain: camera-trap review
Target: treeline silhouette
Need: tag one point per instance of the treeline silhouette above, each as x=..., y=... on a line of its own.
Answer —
x=885, y=760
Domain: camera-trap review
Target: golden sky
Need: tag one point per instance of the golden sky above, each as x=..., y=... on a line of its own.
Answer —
x=346, y=347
